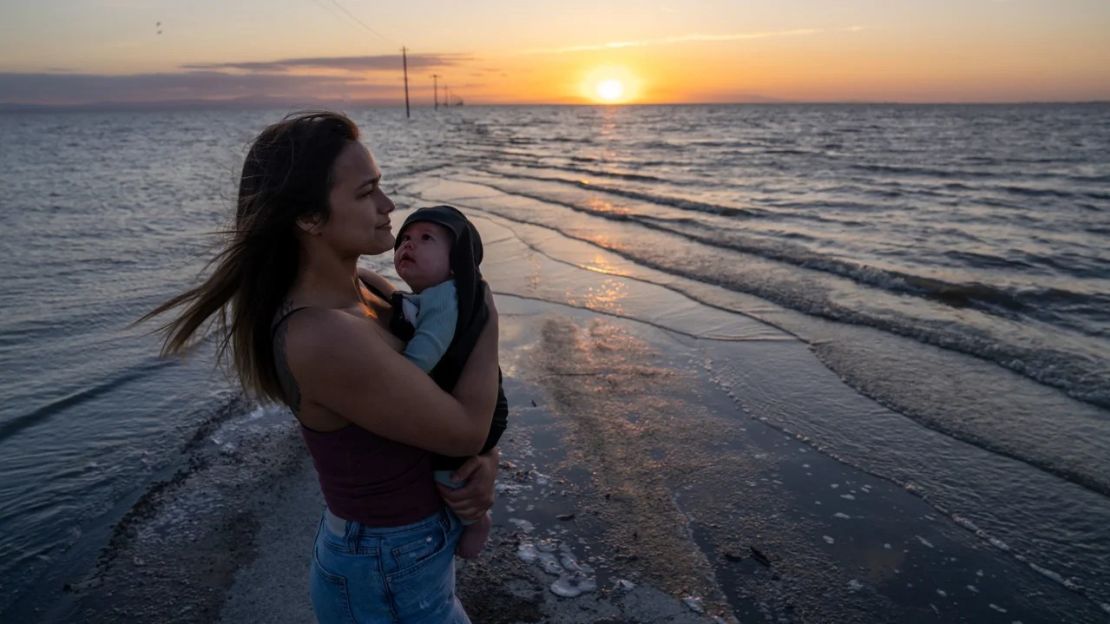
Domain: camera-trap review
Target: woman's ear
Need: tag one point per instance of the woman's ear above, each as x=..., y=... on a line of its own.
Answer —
x=310, y=223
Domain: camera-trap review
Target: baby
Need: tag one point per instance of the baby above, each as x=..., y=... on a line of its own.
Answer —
x=437, y=253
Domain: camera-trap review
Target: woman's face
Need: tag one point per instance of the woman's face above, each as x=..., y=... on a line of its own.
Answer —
x=359, y=211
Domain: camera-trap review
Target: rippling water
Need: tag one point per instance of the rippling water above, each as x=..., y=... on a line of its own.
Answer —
x=977, y=229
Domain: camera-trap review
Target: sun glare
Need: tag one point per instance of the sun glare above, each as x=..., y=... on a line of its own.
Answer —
x=610, y=90
x=610, y=84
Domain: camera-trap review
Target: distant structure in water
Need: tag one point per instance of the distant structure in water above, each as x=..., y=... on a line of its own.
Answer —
x=448, y=98
x=405, y=69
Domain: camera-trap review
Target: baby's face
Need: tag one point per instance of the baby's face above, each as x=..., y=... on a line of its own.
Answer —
x=423, y=258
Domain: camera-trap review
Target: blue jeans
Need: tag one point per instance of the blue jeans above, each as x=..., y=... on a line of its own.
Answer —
x=395, y=575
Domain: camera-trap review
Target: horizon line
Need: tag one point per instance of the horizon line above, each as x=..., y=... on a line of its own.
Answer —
x=203, y=104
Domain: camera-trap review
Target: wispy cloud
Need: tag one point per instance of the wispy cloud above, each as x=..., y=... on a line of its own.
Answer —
x=76, y=89
x=691, y=38
x=380, y=62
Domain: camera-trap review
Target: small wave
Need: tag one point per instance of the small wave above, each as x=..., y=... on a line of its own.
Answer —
x=1011, y=171
x=636, y=177
x=676, y=202
x=957, y=295
x=695, y=143
x=1055, y=193
x=958, y=186
x=931, y=172
x=789, y=151
x=980, y=260
x=563, y=139
x=1054, y=576
x=979, y=160
x=654, y=145
x=236, y=405
x=655, y=198
x=414, y=171
x=472, y=151
x=43, y=413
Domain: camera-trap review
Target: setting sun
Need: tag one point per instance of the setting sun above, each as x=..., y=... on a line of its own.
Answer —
x=610, y=84
x=610, y=90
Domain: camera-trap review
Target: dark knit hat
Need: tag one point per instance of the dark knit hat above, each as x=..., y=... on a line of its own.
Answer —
x=470, y=251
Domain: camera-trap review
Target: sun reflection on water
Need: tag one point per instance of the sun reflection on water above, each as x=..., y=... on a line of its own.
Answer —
x=607, y=296
x=602, y=264
x=604, y=206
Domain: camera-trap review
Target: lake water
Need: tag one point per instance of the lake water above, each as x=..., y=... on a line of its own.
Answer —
x=949, y=262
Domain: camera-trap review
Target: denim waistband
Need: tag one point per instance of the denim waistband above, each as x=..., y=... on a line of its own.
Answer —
x=335, y=524
x=338, y=526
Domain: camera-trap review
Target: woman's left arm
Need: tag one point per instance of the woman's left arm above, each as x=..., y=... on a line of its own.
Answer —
x=476, y=497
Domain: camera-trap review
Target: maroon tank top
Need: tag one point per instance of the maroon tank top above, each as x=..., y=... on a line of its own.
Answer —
x=372, y=480
x=367, y=478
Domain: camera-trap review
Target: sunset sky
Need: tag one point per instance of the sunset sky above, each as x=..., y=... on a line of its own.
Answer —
x=573, y=51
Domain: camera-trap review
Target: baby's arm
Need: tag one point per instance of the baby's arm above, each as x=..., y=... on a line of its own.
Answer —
x=435, y=325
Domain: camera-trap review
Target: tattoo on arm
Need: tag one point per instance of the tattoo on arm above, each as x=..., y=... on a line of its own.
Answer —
x=285, y=376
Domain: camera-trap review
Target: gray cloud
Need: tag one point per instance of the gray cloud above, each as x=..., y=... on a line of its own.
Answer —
x=76, y=89
x=381, y=62
x=248, y=81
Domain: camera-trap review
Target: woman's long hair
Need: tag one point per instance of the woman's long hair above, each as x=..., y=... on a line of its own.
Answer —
x=287, y=175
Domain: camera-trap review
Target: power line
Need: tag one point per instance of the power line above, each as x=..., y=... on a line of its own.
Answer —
x=404, y=51
x=329, y=8
x=360, y=22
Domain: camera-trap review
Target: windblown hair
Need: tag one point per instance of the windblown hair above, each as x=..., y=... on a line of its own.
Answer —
x=287, y=175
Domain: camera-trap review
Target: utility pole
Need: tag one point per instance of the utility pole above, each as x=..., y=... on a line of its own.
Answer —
x=405, y=66
x=435, y=90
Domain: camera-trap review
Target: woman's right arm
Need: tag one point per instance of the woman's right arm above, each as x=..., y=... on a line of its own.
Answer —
x=341, y=364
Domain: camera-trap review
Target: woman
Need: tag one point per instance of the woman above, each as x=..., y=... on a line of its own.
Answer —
x=304, y=330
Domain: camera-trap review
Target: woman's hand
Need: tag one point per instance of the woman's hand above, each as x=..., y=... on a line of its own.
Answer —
x=475, y=498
